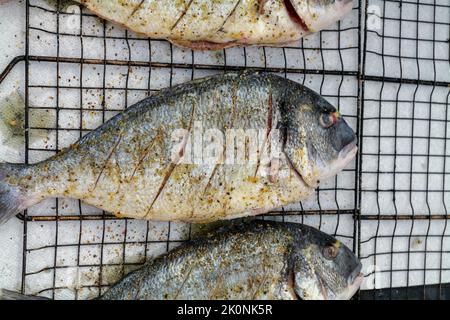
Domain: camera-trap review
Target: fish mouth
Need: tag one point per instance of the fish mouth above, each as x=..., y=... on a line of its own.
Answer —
x=354, y=281
x=349, y=151
x=295, y=16
x=351, y=289
x=355, y=274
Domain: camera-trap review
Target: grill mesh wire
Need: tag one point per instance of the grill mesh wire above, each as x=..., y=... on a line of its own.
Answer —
x=404, y=191
x=389, y=77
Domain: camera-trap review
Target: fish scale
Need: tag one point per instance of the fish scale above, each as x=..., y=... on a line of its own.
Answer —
x=257, y=260
x=248, y=261
x=235, y=265
x=133, y=167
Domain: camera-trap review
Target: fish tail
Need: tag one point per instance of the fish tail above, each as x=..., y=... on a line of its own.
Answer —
x=12, y=199
x=11, y=295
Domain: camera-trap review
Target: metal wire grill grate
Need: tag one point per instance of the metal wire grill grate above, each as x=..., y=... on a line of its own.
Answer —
x=386, y=66
x=404, y=156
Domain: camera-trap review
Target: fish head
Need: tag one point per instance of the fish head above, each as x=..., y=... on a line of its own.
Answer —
x=324, y=268
x=318, y=141
x=315, y=15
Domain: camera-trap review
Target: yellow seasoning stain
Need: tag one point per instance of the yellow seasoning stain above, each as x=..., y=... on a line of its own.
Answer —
x=337, y=244
x=12, y=122
x=252, y=179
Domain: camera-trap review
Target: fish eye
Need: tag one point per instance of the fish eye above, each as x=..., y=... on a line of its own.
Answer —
x=330, y=252
x=327, y=120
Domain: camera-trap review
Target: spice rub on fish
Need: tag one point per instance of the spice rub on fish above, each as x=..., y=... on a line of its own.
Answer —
x=217, y=24
x=222, y=147
x=259, y=260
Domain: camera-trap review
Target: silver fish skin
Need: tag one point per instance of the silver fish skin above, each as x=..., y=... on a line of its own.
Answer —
x=250, y=261
x=258, y=260
x=132, y=166
x=217, y=24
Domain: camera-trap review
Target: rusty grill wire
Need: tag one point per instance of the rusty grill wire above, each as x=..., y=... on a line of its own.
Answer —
x=388, y=205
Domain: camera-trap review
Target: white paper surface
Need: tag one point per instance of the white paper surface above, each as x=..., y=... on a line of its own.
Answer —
x=339, y=51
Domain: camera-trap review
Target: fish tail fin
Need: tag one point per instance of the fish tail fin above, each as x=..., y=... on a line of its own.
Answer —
x=12, y=199
x=11, y=295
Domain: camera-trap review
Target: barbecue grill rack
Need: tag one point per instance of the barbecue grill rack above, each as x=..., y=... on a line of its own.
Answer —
x=386, y=66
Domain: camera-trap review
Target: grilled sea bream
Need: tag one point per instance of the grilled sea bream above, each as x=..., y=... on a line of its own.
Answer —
x=217, y=24
x=259, y=260
x=221, y=147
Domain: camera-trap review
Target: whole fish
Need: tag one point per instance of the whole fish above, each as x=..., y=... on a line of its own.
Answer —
x=260, y=260
x=217, y=24
x=221, y=147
